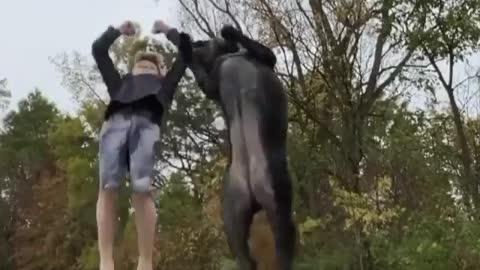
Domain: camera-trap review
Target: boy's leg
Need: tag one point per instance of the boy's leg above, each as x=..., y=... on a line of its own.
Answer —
x=112, y=166
x=142, y=141
x=145, y=222
x=106, y=226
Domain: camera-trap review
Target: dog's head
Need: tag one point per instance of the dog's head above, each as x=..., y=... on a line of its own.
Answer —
x=202, y=58
x=206, y=52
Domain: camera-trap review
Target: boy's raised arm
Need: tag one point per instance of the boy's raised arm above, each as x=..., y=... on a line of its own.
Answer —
x=100, y=48
x=183, y=42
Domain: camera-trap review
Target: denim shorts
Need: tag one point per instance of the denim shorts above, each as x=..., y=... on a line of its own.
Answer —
x=127, y=145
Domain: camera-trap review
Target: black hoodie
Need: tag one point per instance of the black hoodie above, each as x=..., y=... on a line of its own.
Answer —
x=134, y=93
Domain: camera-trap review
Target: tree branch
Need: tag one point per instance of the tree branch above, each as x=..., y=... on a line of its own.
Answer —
x=377, y=60
x=379, y=90
x=435, y=67
x=452, y=63
x=205, y=29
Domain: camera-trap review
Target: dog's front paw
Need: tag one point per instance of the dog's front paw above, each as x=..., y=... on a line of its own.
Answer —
x=186, y=48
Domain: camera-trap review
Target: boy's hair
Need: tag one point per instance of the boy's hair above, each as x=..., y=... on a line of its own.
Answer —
x=153, y=57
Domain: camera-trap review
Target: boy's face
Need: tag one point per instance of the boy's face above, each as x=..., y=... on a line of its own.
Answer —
x=145, y=67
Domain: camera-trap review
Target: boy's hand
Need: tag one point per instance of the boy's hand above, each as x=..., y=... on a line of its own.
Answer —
x=159, y=26
x=127, y=28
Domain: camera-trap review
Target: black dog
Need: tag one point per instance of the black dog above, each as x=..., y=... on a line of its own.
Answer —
x=254, y=103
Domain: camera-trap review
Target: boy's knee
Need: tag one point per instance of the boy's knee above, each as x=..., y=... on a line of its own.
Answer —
x=109, y=185
x=142, y=185
x=142, y=199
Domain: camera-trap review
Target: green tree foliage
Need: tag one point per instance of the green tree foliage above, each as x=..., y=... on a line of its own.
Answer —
x=4, y=94
x=450, y=34
x=31, y=185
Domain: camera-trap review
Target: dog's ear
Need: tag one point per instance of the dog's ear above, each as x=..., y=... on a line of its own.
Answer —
x=186, y=48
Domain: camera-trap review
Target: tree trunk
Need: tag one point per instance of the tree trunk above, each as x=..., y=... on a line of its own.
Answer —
x=466, y=158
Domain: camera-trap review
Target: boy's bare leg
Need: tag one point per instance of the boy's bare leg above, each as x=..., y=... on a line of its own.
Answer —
x=145, y=222
x=106, y=225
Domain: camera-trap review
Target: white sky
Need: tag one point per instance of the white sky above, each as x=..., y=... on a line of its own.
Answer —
x=33, y=30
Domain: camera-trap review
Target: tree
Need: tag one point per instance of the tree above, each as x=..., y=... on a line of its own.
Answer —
x=29, y=186
x=4, y=94
x=25, y=140
x=451, y=34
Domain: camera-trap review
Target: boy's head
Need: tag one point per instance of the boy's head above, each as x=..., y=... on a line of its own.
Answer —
x=148, y=63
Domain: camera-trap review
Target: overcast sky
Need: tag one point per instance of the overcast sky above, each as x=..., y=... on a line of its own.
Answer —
x=33, y=30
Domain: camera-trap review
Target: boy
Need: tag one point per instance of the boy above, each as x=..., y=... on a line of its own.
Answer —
x=131, y=128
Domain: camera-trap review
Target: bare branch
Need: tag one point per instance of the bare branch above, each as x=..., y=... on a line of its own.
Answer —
x=204, y=20
x=302, y=10
x=204, y=28
x=451, y=65
x=378, y=91
x=377, y=60
x=436, y=68
x=317, y=7
x=85, y=82
x=476, y=76
x=394, y=67
x=292, y=46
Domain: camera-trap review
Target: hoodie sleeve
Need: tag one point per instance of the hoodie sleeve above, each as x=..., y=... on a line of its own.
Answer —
x=100, y=48
x=174, y=36
x=175, y=73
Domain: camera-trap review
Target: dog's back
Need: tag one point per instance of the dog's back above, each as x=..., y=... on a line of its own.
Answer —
x=246, y=81
x=239, y=71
